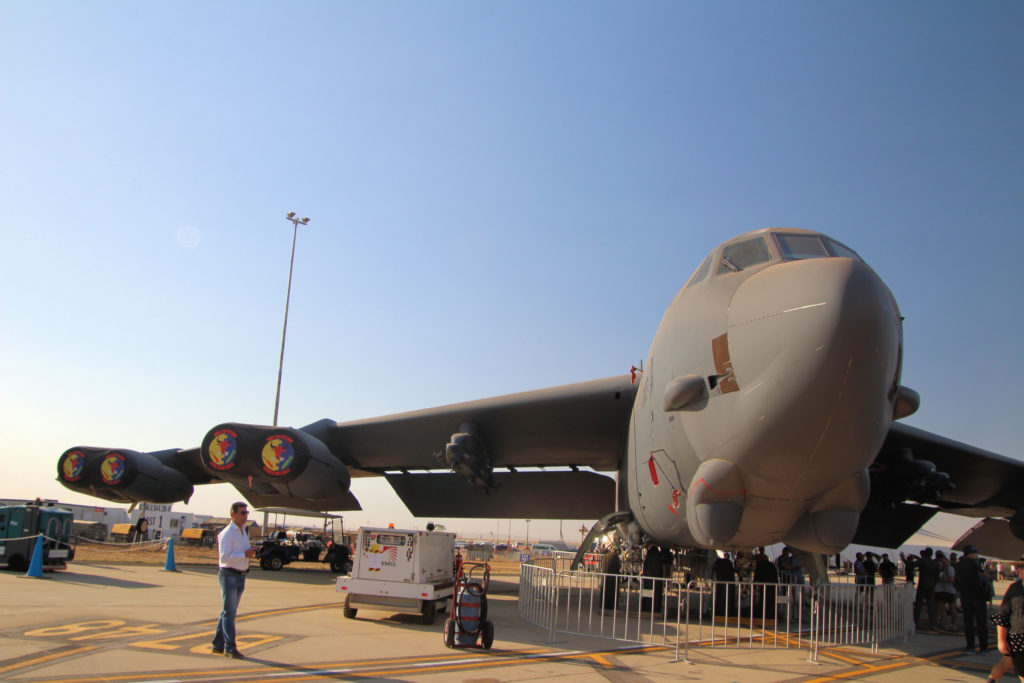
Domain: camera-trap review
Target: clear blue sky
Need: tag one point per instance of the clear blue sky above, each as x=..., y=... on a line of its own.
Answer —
x=504, y=196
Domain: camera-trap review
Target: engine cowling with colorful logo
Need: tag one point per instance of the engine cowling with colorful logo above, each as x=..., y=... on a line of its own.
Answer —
x=275, y=460
x=122, y=475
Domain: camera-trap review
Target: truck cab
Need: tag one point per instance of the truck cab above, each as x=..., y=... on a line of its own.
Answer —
x=20, y=526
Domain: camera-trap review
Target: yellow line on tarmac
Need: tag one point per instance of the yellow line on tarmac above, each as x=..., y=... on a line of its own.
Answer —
x=848, y=660
x=366, y=668
x=602, y=661
x=248, y=670
x=860, y=671
x=869, y=669
x=45, y=658
x=476, y=663
x=290, y=610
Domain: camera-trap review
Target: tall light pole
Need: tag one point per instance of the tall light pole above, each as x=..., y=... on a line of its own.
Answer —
x=295, y=221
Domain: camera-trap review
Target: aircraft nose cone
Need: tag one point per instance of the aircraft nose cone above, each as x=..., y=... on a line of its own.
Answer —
x=815, y=348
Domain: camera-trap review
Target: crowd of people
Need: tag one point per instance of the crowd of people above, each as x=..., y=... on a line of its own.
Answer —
x=948, y=587
x=954, y=592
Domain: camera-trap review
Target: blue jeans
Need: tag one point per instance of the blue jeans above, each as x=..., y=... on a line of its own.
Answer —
x=231, y=587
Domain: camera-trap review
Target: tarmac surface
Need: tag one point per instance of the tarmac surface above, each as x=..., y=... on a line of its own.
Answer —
x=95, y=623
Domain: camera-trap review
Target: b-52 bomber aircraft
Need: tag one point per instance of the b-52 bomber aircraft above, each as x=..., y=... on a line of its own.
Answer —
x=766, y=412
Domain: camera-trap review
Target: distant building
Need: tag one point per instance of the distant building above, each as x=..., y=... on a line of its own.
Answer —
x=217, y=523
x=98, y=523
x=162, y=522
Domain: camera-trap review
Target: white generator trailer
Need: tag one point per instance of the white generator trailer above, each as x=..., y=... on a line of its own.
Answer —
x=407, y=571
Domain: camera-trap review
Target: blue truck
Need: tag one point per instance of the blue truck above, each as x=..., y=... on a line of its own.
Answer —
x=20, y=526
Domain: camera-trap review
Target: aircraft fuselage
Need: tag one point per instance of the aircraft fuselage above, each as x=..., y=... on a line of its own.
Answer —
x=768, y=391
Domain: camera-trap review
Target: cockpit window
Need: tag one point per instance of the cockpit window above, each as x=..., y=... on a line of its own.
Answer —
x=739, y=255
x=702, y=271
x=840, y=249
x=796, y=247
x=801, y=246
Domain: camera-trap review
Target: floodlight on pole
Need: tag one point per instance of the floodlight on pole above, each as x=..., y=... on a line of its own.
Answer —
x=295, y=221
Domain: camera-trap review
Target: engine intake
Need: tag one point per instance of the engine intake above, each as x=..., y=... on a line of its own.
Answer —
x=269, y=460
x=123, y=476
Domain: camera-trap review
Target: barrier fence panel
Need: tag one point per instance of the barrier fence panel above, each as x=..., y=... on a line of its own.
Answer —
x=537, y=595
x=703, y=613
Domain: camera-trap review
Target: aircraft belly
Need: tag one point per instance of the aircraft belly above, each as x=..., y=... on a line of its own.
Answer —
x=767, y=521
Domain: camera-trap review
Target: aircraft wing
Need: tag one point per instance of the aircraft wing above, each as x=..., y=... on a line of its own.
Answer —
x=918, y=473
x=571, y=426
x=461, y=460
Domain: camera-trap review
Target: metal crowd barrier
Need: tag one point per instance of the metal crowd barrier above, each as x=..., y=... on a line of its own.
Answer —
x=702, y=613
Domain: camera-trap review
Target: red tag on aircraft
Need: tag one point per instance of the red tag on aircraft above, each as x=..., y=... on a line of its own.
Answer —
x=654, y=470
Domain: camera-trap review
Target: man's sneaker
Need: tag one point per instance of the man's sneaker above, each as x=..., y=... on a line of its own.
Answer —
x=234, y=654
x=217, y=650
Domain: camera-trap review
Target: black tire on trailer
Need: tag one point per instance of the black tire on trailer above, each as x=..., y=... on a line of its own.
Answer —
x=349, y=612
x=429, y=610
x=487, y=637
x=449, y=632
x=17, y=563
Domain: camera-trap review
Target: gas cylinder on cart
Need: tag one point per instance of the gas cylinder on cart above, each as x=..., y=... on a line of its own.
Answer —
x=468, y=622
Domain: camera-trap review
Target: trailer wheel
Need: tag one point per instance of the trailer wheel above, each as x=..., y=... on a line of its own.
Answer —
x=349, y=612
x=449, y=632
x=17, y=563
x=275, y=562
x=487, y=638
x=429, y=610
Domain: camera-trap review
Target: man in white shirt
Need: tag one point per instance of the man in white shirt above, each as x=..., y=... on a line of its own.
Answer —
x=235, y=551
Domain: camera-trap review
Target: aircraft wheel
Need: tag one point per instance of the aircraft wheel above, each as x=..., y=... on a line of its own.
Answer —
x=429, y=610
x=275, y=563
x=449, y=632
x=349, y=612
x=487, y=638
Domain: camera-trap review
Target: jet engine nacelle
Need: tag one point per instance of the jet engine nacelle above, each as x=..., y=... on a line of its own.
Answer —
x=123, y=476
x=275, y=460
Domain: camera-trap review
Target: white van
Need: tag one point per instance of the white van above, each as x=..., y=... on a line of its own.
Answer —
x=542, y=550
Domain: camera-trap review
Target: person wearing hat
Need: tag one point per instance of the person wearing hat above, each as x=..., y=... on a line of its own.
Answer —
x=972, y=587
x=1009, y=621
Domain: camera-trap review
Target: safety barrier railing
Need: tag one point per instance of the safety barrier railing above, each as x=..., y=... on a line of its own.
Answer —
x=705, y=614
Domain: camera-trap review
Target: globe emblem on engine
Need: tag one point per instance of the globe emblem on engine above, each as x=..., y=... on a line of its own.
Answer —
x=223, y=449
x=112, y=468
x=73, y=466
x=278, y=455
